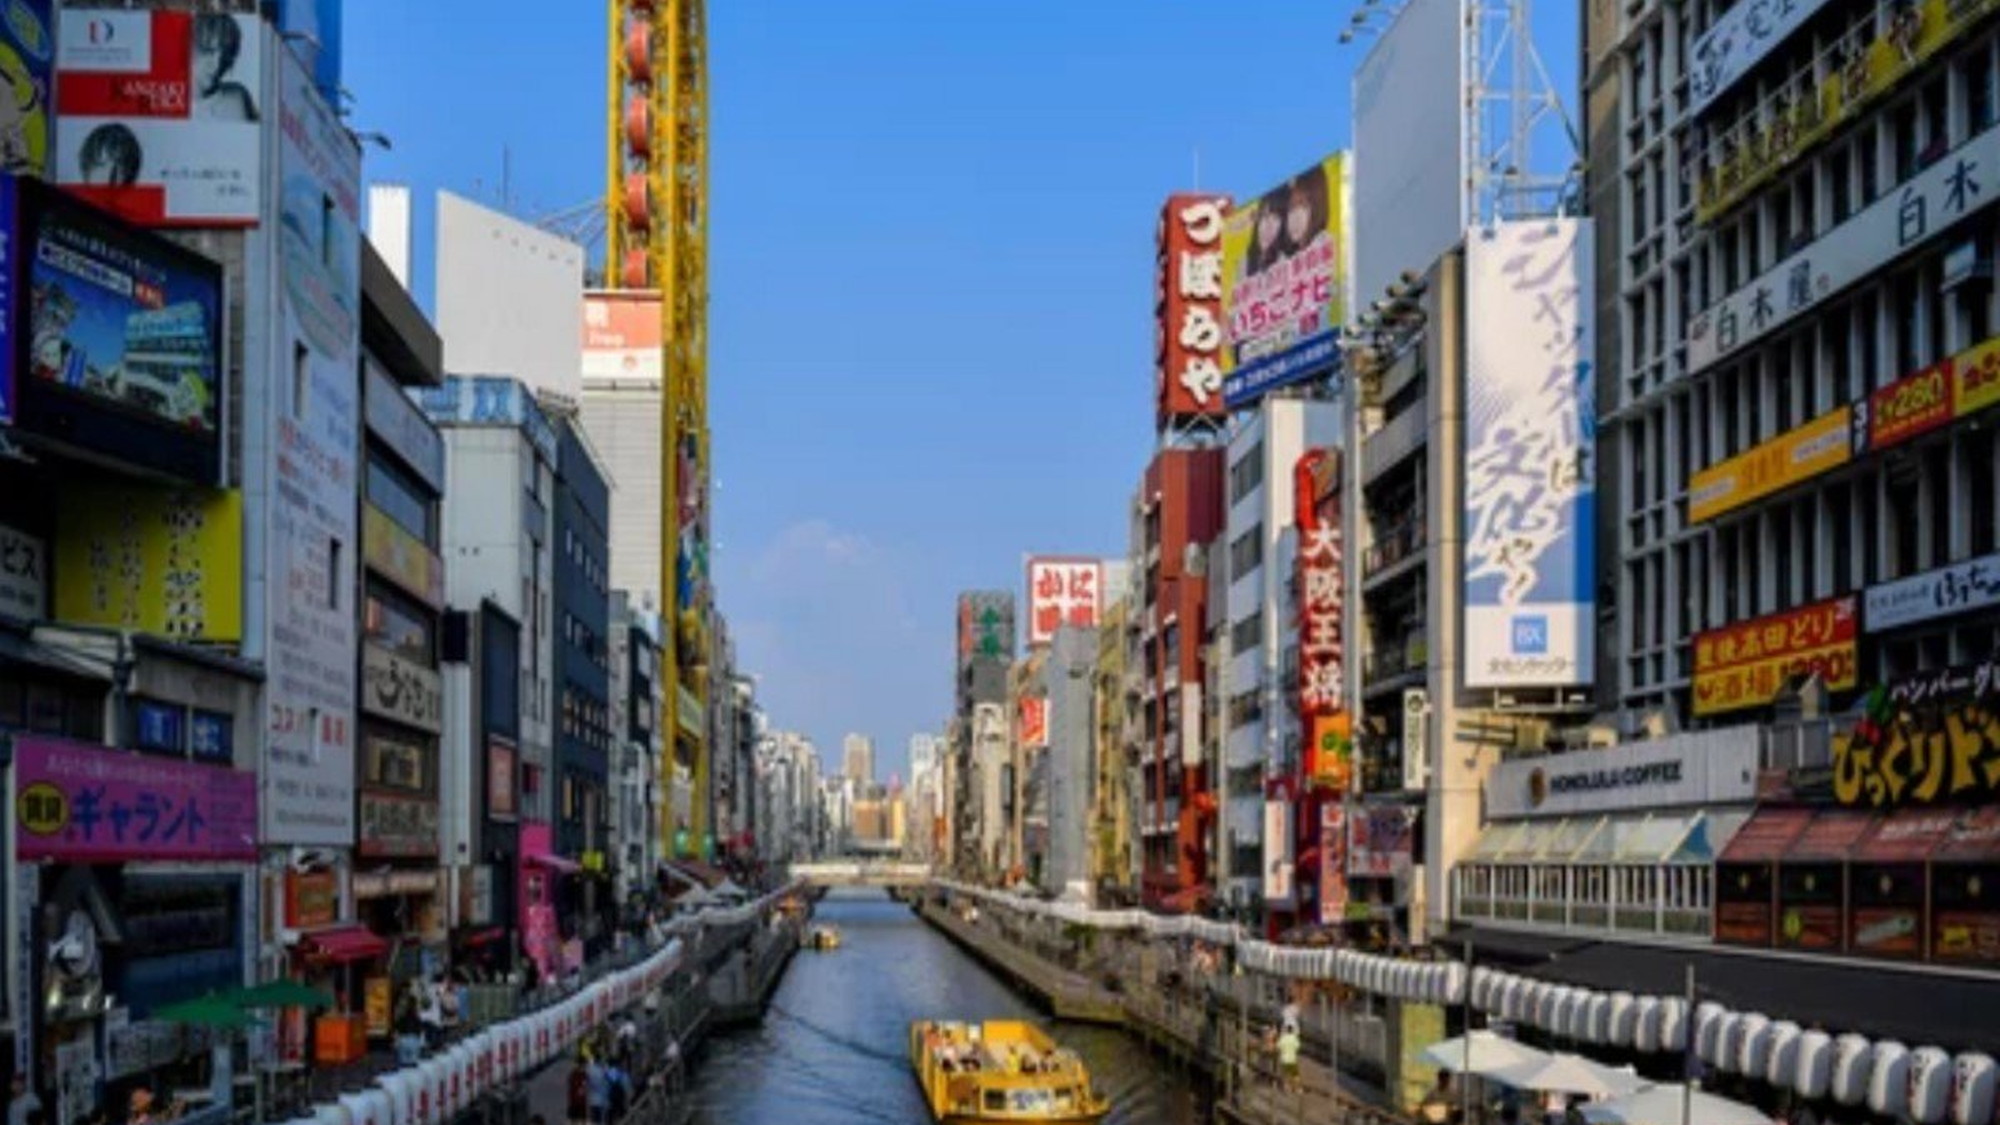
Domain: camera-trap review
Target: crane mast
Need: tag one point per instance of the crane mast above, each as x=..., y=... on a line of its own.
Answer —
x=656, y=237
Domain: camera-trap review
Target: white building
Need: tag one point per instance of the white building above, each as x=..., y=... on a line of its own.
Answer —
x=1260, y=736
x=637, y=742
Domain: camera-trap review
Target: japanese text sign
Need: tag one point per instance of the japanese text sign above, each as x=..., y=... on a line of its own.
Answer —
x=1332, y=863
x=1034, y=729
x=1773, y=466
x=1976, y=377
x=1380, y=842
x=1959, y=588
x=985, y=626
x=1285, y=283
x=1935, y=198
x=1910, y=406
x=1063, y=592
x=1930, y=738
x=1189, y=300
x=1530, y=457
x=92, y=805
x=1744, y=665
x=1322, y=570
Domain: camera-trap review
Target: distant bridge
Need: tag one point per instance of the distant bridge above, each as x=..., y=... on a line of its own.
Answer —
x=862, y=873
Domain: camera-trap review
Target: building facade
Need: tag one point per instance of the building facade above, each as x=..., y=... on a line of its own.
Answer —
x=582, y=674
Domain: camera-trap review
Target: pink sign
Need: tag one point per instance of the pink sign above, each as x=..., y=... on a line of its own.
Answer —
x=91, y=804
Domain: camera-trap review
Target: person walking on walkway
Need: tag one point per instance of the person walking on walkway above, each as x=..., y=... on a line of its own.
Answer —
x=1288, y=1057
x=597, y=1080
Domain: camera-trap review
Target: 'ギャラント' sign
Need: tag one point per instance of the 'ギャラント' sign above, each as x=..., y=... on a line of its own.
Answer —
x=93, y=805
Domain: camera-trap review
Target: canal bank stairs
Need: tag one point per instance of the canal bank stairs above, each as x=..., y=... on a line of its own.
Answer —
x=1221, y=1042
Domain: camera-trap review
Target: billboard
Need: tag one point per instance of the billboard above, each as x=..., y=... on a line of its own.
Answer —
x=1744, y=665
x=1773, y=466
x=1409, y=199
x=1895, y=753
x=168, y=562
x=27, y=58
x=1277, y=851
x=1284, y=270
x=87, y=804
x=509, y=297
x=1188, y=300
x=312, y=540
x=1332, y=863
x=1734, y=43
x=1322, y=571
x=122, y=354
x=623, y=338
x=985, y=626
x=1063, y=591
x=1963, y=587
x=158, y=115
x=489, y=400
x=1530, y=447
x=1380, y=842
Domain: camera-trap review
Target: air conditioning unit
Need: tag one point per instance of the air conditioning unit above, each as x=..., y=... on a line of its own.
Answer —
x=1416, y=740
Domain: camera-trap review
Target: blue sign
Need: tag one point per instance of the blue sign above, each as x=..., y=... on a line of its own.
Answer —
x=1306, y=360
x=159, y=726
x=212, y=736
x=489, y=400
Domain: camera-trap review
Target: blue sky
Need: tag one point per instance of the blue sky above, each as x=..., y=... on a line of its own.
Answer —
x=931, y=268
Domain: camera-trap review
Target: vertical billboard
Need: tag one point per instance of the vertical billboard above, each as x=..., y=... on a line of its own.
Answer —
x=122, y=352
x=168, y=562
x=1284, y=269
x=1188, y=299
x=27, y=64
x=1409, y=199
x=1322, y=582
x=312, y=540
x=1034, y=723
x=623, y=338
x=1530, y=446
x=1332, y=863
x=158, y=114
x=1277, y=851
x=985, y=626
x=1063, y=591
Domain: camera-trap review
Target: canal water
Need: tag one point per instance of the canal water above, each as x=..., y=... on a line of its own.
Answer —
x=831, y=1051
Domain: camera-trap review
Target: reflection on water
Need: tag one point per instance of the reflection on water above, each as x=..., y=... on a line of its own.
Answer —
x=832, y=1051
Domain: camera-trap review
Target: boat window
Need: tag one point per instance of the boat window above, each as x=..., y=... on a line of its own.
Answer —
x=996, y=1100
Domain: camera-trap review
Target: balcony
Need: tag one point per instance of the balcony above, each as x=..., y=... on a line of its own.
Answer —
x=1665, y=900
x=1806, y=109
x=1401, y=436
x=1402, y=541
x=1403, y=657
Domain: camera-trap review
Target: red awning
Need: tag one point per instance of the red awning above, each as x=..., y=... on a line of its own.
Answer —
x=1907, y=836
x=1766, y=836
x=1831, y=837
x=343, y=944
x=554, y=863
x=487, y=936
x=1975, y=838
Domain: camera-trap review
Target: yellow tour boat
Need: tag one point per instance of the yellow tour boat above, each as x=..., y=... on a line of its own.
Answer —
x=823, y=937
x=1001, y=1070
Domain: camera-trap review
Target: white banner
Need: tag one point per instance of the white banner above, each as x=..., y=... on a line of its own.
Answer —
x=1738, y=39
x=1530, y=493
x=1277, y=851
x=1959, y=588
x=1940, y=195
x=23, y=575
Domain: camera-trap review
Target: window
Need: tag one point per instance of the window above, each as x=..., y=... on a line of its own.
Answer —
x=301, y=378
x=333, y=573
x=1246, y=554
x=1247, y=634
x=395, y=762
x=398, y=624
x=1979, y=487
x=399, y=497
x=1247, y=473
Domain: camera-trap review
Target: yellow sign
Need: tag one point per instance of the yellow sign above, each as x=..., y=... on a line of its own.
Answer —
x=1801, y=454
x=1977, y=372
x=378, y=1002
x=387, y=548
x=165, y=561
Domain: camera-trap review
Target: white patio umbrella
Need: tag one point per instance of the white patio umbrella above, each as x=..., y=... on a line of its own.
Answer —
x=1672, y=1104
x=1571, y=1074
x=1488, y=1053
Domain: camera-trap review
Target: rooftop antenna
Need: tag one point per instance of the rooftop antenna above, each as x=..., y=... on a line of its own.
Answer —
x=1509, y=103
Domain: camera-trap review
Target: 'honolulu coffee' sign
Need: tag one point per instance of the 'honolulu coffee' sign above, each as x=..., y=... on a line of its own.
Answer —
x=1701, y=768
x=1590, y=781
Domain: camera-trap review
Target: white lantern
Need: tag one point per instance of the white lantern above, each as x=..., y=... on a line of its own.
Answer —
x=1597, y=1018
x=1708, y=1017
x=1889, y=1078
x=1647, y=1024
x=437, y=1089
x=1813, y=1076
x=1576, y=1015
x=1753, y=1050
x=397, y=1084
x=332, y=1113
x=1674, y=1016
x=1453, y=983
x=1853, y=1065
x=483, y=1075
x=1781, y=1066
x=1621, y=1019
x=1482, y=988
x=1930, y=1085
x=1973, y=1080
x=1343, y=967
x=369, y=1107
x=1728, y=1043
x=1513, y=997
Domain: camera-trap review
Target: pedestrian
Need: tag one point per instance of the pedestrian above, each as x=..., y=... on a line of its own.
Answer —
x=597, y=1079
x=579, y=1094
x=628, y=1040
x=1288, y=1056
x=430, y=1011
x=621, y=1091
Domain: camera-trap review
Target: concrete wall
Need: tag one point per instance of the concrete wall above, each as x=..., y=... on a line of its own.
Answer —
x=1066, y=678
x=509, y=297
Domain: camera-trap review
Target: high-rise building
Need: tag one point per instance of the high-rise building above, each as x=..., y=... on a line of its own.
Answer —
x=857, y=753
x=581, y=548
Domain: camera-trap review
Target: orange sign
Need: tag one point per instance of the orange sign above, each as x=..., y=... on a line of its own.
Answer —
x=1912, y=405
x=1978, y=377
x=1777, y=464
x=1034, y=721
x=622, y=335
x=1743, y=665
x=1330, y=754
x=312, y=898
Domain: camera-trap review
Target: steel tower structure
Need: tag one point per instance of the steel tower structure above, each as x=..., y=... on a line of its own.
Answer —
x=656, y=237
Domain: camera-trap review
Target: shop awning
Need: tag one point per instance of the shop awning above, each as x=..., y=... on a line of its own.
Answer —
x=1495, y=842
x=1907, y=836
x=343, y=945
x=1830, y=838
x=1974, y=838
x=1767, y=837
x=555, y=863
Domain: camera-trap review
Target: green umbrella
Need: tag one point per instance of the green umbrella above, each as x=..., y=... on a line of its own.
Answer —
x=284, y=993
x=208, y=1011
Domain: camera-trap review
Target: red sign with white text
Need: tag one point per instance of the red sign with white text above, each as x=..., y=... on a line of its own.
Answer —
x=1034, y=722
x=1321, y=577
x=1063, y=592
x=1912, y=405
x=1188, y=298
